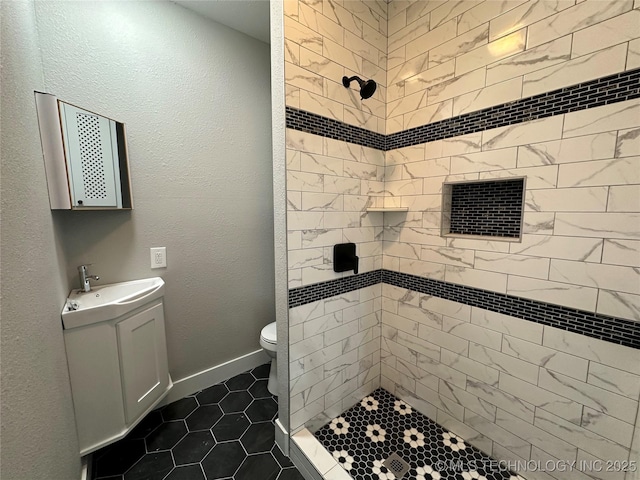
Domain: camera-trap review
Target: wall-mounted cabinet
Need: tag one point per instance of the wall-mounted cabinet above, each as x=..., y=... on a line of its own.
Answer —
x=85, y=157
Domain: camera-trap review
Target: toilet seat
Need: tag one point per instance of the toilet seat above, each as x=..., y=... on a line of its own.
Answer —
x=269, y=334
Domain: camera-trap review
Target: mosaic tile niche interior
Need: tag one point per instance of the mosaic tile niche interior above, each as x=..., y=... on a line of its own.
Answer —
x=522, y=349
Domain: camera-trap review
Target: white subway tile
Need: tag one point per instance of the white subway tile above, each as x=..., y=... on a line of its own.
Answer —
x=575, y=18
x=583, y=298
x=621, y=252
x=429, y=114
x=504, y=401
x=607, y=426
x=628, y=143
x=555, y=246
x=562, y=406
x=598, y=275
x=506, y=324
x=617, y=356
x=618, y=304
x=297, y=220
x=302, y=35
x=535, y=435
x=489, y=53
x=614, y=380
x=589, y=199
x=524, y=15
x=504, y=363
x=617, y=171
x=489, y=96
x=498, y=434
x=543, y=56
x=472, y=368
x=624, y=198
x=616, y=116
x=620, y=407
x=549, y=128
x=603, y=225
x=457, y=47
x=581, y=69
x=496, y=282
x=633, y=54
x=605, y=34
x=579, y=149
x=582, y=438
x=483, y=161
x=456, y=86
x=537, y=177
x=557, y=361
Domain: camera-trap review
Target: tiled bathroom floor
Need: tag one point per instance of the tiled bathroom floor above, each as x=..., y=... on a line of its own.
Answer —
x=367, y=434
x=223, y=432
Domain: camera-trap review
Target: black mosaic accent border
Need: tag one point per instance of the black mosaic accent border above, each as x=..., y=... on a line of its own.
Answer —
x=319, y=291
x=603, y=327
x=328, y=127
x=594, y=93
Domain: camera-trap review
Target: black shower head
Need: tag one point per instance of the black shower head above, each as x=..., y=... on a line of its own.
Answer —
x=367, y=88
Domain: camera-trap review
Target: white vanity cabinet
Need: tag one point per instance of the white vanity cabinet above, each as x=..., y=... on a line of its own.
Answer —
x=119, y=371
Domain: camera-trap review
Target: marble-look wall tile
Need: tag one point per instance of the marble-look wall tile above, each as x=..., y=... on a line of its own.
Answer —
x=575, y=296
x=608, y=277
x=526, y=14
x=621, y=252
x=575, y=18
x=605, y=34
x=556, y=52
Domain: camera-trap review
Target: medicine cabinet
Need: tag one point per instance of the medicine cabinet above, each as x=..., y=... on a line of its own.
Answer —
x=85, y=157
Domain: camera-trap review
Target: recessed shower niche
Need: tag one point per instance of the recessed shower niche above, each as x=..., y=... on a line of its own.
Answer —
x=484, y=208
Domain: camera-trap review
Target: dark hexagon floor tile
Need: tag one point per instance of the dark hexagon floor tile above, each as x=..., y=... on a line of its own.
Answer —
x=146, y=425
x=290, y=474
x=165, y=436
x=212, y=394
x=280, y=457
x=240, y=382
x=230, y=427
x=119, y=457
x=204, y=417
x=179, y=409
x=260, y=437
x=154, y=466
x=193, y=448
x=262, y=410
x=259, y=389
x=262, y=371
x=223, y=460
x=236, y=402
x=261, y=466
x=187, y=472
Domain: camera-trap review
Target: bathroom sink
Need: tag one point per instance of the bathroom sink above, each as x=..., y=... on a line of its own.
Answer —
x=107, y=302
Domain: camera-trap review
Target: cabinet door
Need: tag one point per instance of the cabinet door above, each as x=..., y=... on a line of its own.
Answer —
x=143, y=360
x=91, y=148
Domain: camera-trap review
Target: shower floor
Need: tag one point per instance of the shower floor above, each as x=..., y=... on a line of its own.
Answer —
x=364, y=436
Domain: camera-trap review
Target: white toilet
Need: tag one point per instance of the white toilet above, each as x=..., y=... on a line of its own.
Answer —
x=268, y=341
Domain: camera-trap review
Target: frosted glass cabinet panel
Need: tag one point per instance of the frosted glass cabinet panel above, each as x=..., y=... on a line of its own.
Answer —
x=85, y=157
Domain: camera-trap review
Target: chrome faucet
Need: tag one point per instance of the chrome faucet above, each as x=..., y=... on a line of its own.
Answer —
x=85, y=277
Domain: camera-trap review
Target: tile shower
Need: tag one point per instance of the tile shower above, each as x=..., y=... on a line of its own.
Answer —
x=529, y=350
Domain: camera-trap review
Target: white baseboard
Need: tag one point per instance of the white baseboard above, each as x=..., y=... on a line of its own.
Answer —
x=201, y=380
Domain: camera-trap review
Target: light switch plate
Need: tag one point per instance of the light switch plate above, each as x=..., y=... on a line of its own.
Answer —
x=158, y=257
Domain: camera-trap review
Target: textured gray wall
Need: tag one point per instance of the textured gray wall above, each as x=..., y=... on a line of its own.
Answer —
x=194, y=96
x=38, y=430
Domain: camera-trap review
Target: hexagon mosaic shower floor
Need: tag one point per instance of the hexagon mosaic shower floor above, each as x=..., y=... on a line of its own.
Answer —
x=364, y=436
x=223, y=432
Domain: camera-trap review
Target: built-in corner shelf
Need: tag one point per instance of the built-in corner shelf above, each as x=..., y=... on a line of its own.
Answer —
x=388, y=209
